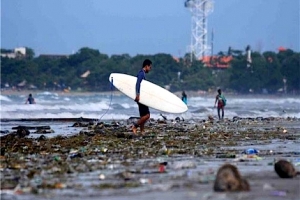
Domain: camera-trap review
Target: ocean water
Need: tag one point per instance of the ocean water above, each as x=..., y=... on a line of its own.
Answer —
x=116, y=106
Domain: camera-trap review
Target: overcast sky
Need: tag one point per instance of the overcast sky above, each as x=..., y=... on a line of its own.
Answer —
x=145, y=26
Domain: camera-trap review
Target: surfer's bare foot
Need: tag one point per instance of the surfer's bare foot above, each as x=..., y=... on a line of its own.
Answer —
x=134, y=130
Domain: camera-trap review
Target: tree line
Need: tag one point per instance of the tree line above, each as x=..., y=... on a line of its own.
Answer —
x=269, y=72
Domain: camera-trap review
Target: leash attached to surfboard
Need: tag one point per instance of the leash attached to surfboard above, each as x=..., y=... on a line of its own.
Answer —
x=111, y=94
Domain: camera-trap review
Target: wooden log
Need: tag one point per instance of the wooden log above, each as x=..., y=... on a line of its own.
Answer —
x=31, y=127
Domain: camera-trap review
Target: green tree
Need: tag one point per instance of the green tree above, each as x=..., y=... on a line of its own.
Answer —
x=29, y=53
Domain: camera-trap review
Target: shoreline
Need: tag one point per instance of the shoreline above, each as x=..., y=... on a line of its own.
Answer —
x=106, y=161
x=116, y=92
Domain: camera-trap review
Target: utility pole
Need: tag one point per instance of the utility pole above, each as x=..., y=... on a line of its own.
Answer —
x=199, y=42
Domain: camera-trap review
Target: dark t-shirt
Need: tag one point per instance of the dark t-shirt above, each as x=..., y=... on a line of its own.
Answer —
x=140, y=77
x=30, y=100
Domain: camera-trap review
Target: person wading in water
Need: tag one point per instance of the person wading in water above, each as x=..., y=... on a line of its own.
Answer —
x=30, y=99
x=221, y=100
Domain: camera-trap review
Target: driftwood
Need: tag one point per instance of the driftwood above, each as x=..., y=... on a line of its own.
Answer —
x=80, y=119
x=31, y=127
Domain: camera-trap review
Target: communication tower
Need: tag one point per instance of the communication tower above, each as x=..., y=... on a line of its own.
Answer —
x=200, y=9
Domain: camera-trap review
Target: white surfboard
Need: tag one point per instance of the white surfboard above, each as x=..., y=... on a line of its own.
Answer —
x=151, y=94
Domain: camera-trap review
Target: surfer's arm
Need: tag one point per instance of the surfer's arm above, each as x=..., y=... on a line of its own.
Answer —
x=140, y=77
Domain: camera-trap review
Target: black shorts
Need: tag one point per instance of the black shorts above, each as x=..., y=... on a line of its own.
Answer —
x=144, y=110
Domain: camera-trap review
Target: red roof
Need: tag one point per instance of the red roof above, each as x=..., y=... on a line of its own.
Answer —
x=217, y=61
x=281, y=48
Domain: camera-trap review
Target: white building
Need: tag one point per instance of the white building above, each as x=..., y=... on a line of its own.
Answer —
x=20, y=51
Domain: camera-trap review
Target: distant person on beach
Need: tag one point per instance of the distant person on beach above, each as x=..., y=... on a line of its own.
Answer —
x=143, y=109
x=30, y=99
x=184, y=97
x=221, y=100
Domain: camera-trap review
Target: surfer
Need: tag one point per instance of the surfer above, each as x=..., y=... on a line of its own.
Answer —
x=221, y=103
x=30, y=99
x=143, y=109
x=184, y=97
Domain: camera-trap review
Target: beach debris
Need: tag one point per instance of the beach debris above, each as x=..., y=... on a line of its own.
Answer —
x=278, y=193
x=285, y=169
x=163, y=150
x=126, y=175
x=206, y=178
x=297, y=162
x=31, y=127
x=11, y=191
x=4, y=131
x=169, y=156
x=42, y=137
x=268, y=187
x=44, y=131
x=80, y=124
x=101, y=176
x=183, y=165
x=2, y=151
x=75, y=154
x=132, y=120
x=22, y=132
x=210, y=118
x=164, y=117
x=178, y=119
x=87, y=132
x=162, y=167
x=225, y=156
x=229, y=179
x=236, y=118
x=282, y=129
x=250, y=151
x=247, y=158
x=145, y=181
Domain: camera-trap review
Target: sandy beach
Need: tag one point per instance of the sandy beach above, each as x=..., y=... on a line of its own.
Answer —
x=174, y=160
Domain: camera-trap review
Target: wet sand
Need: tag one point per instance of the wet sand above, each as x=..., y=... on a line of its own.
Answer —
x=174, y=160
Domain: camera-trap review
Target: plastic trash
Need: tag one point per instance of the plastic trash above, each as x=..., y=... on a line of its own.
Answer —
x=161, y=168
x=278, y=193
x=268, y=187
x=57, y=158
x=248, y=157
x=250, y=151
x=226, y=156
x=297, y=162
x=145, y=181
x=75, y=155
x=101, y=176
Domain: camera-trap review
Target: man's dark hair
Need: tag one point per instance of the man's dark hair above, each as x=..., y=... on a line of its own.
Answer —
x=147, y=62
x=219, y=91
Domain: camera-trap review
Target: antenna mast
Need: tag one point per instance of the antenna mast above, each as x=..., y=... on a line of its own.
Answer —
x=200, y=10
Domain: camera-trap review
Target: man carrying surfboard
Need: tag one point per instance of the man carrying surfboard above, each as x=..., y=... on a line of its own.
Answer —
x=143, y=109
